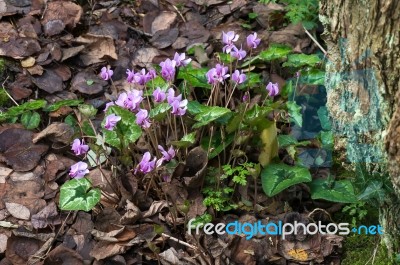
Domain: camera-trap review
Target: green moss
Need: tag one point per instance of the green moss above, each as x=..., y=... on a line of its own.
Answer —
x=3, y=97
x=359, y=249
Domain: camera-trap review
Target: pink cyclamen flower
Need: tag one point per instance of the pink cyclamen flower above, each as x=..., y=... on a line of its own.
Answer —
x=111, y=121
x=145, y=165
x=106, y=73
x=273, y=89
x=159, y=95
x=151, y=74
x=179, y=107
x=167, y=155
x=238, y=54
x=217, y=74
x=168, y=69
x=245, y=98
x=78, y=170
x=142, y=118
x=228, y=39
x=252, y=41
x=130, y=100
x=131, y=76
x=238, y=77
x=180, y=59
x=109, y=104
x=141, y=77
x=171, y=96
x=79, y=147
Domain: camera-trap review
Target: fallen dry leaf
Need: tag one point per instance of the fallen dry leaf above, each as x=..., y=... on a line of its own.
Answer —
x=21, y=87
x=63, y=255
x=14, y=46
x=47, y=216
x=59, y=15
x=19, y=249
x=3, y=243
x=18, y=149
x=163, y=21
x=57, y=132
x=18, y=211
x=98, y=49
x=80, y=83
x=49, y=81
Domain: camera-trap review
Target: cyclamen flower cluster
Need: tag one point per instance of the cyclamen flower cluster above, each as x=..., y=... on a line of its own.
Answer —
x=230, y=37
x=141, y=77
x=146, y=165
x=168, y=67
x=80, y=169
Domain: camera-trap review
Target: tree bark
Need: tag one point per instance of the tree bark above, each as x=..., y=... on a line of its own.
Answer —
x=362, y=82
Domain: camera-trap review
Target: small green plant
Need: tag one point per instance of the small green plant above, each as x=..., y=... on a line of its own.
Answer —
x=357, y=211
x=305, y=12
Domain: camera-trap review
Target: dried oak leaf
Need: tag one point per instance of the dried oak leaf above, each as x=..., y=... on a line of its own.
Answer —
x=59, y=15
x=98, y=50
x=57, y=132
x=80, y=83
x=63, y=255
x=21, y=87
x=164, y=38
x=163, y=21
x=8, y=8
x=18, y=149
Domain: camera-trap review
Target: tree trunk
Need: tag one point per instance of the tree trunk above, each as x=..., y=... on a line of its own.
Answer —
x=362, y=82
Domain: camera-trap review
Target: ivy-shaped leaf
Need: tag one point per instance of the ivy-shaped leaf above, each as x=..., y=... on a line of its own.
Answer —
x=294, y=112
x=275, y=51
x=194, y=107
x=313, y=77
x=76, y=195
x=61, y=103
x=300, y=60
x=339, y=191
x=31, y=105
x=278, y=177
x=374, y=190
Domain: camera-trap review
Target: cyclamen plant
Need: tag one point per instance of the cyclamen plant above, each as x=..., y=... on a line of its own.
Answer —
x=139, y=107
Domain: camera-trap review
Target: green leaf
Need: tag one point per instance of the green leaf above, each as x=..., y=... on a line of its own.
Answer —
x=294, y=112
x=159, y=112
x=313, y=77
x=158, y=82
x=209, y=114
x=61, y=103
x=217, y=145
x=374, y=190
x=226, y=58
x=278, y=177
x=327, y=139
x=253, y=15
x=341, y=191
x=126, y=132
x=31, y=105
x=30, y=120
x=300, y=60
x=87, y=129
x=89, y=82
x=76, y=195
x=324, y=118
x=194, y=77
x=253, y=81
x=194, y=107
x=186, y=141
x=286, y=140
x=275, y=51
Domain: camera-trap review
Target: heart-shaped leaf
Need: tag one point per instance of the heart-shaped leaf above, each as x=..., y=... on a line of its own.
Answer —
x=278, y=177
x=76, y=195
x=339, y=191
x=208, y=115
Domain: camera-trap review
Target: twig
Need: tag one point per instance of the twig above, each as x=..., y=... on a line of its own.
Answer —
x=5, y=90
x=180, y=241
x=315, y=41
x=179, y=12
x=321, y=210
x=140, y=31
